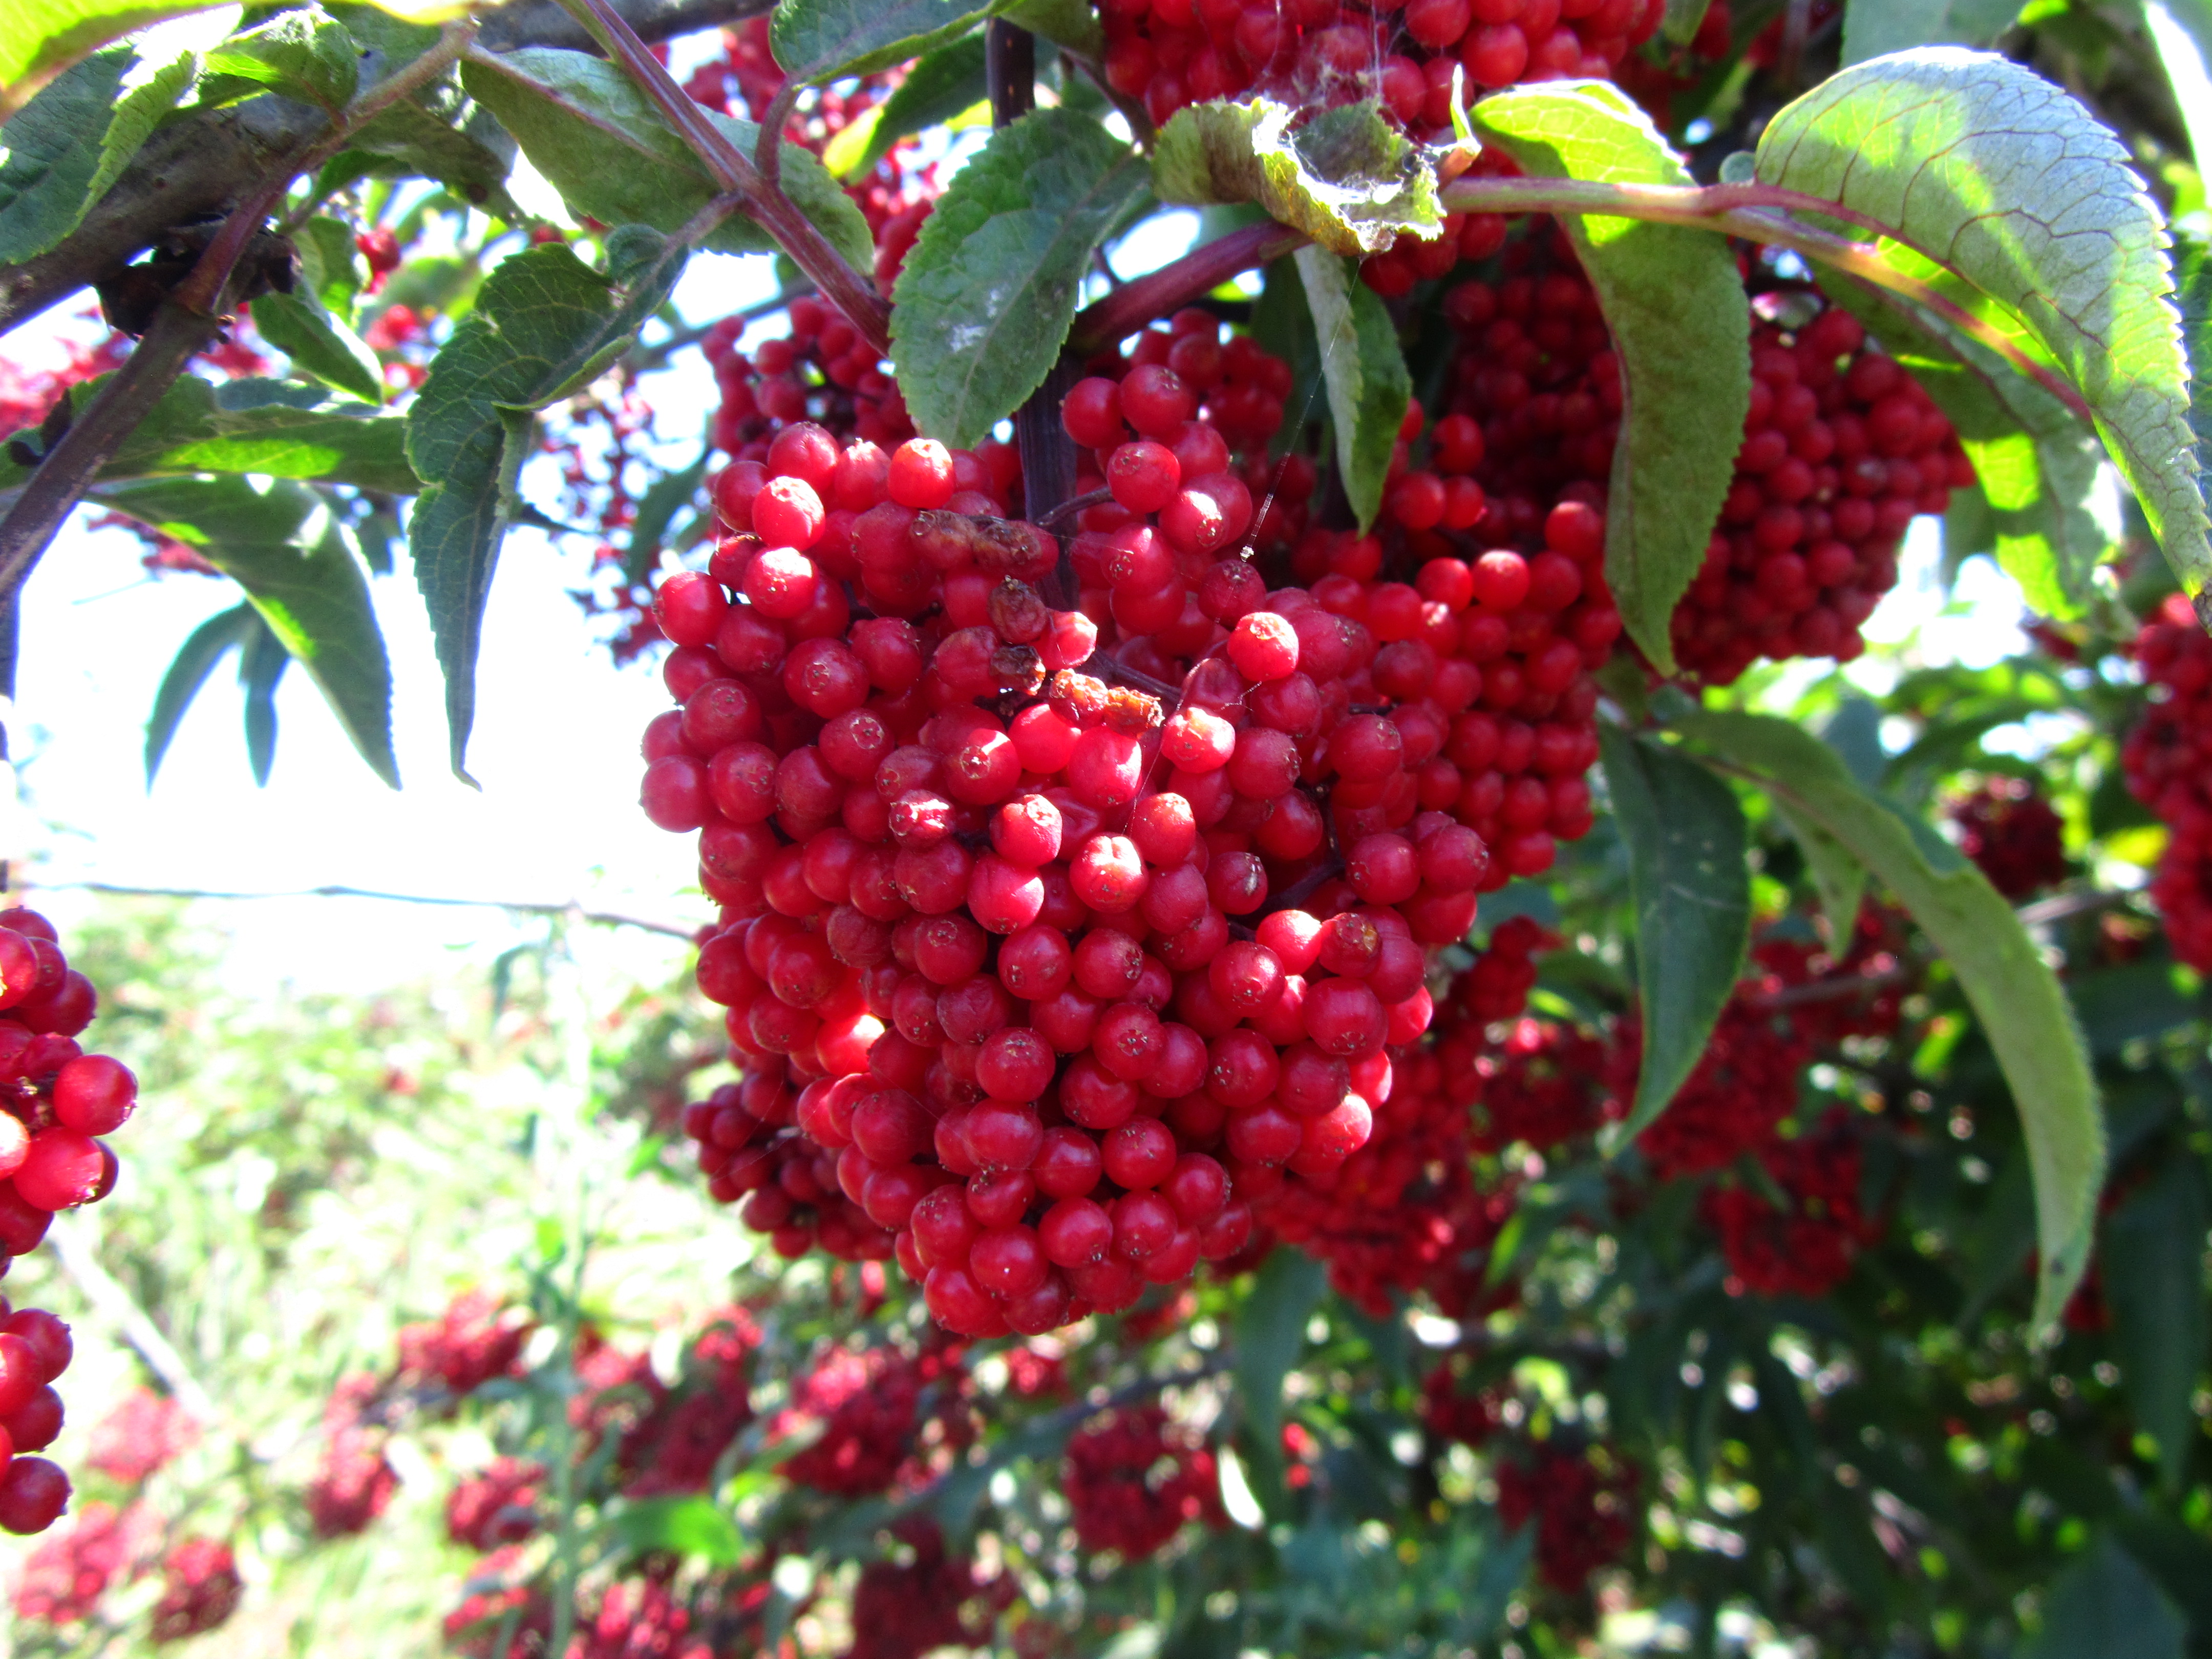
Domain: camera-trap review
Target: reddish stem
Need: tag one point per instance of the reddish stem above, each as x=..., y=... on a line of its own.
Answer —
x=1167, y=290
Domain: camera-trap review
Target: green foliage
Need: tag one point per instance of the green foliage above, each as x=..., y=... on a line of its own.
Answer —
x=1363, y=367
x=2153, y=1253
x=45, y=37
x=545, y=326
x=818, y=40
x=1345, y=178
x=2021, y=1008
x=1681, y=325
x=303, y=54
x=941, y=85
x=316, y=342
x=49, y=176
x=2052, y=241
x=1692, y=889
x=283, y=545
x=1875, y=28
x=203, y=648
x=990, y=288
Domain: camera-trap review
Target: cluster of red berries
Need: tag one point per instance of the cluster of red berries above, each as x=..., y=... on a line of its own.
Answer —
x=497, y=1505
x=1133, y=1479
x=928, y=1602
x=2014, y=834
x=354, y=1482
x=139, y=1437
x=1543, y=1086
x=1581, y=1501
x=1320, y=54
x=875, y=1408
x=1808, y=1248
x=821, y=371
x=200, y=1590
x=2168, y=760
x=476, y=1339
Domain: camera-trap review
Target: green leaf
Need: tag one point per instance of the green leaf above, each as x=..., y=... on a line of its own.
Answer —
x=266, y=426
x=2036, y=465
x=261, y=662
x=49, y=175
x=990, y=288
x=2033, y=204
x=1269, y=1334
x=195, y=661
x=1873, y=28
x=586, y=125
x=331, y=265
x=1838, y=877
x=1345, y=178
x=304, y=54
x=438, y=133
x=320, y=344
x=1691, y=889
x=2181, y=30
x=689, y=1527
x=1363, y=367
x=2106, y=1607
x=1681, y=325
x=543, y=322
x=282, y=543
x=45, y=37
x=151, y=92
x=2023, y=1011
x=948, y=82
x=1070, y=24
x=825, y=39
x=2154, y=1280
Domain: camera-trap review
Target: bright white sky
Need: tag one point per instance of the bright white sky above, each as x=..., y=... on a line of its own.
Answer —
x=555, y=745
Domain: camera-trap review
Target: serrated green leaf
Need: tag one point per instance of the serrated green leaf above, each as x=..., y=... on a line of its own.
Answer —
x=304, y=54
x=540, y=320
x=1681, y=325
x=948, y=81
x=1691, y=886
x=691, y=1527
x=2024, y=1013
x=2104, y=1606
x=151, y=92
x=825, y=39
x=586, y=126
x=2037, y=465
x=320, y=344
x=989, y=289
x=43, y=37
x=2193, y=286
x=252, y=426
x=1873, y=28
x=47, y=168
x=261, y=662
x=2033, y=204
x=438, y=133
x=1345, y=178
x=1363, y=368
x=283, y=545
x=204, y=647
x=2153, y=1281
x=331, y=265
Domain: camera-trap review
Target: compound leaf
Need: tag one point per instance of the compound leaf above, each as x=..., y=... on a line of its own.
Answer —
x=1681, y=325
x=989, y=290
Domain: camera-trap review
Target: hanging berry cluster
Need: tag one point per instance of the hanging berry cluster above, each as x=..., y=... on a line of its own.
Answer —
x=2165, y=758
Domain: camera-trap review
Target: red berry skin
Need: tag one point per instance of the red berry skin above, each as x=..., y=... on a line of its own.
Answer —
x=33, y=1428
x=19, y=968
x=1144, y=476
x=1007, y=1261
x=33, y=1492
x=92, y=1095
x=20, y=1373
x=1068, y=1164
x=22, y=1224
x=49, y=1338
x=1076, y=1232
x=1091, y=413
x=61, y=1169
x=689, y=607
x=1264, y=646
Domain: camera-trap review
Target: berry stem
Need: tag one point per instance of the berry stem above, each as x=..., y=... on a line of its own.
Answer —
x=837, y=282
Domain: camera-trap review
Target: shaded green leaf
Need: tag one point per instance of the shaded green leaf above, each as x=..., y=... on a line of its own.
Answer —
x=586, y=126
x=691, y=1527
x=438, y=133
x=1071, y=24
x=1691, y=886
x=252, y=426
x=1837, y=876
x=2104, y=1605
x=2023, y=1011
x=204, y=647
x=990, y=288
x=2154, y=1280
x=1345, y=178
x=305, y=54
x=283, y=545
x=543, y=322
x=1873, y=28
x=1681, y=325
x=2037, y=465
x=45, y=37
x=948, y=81
x=824, y=39
x=47, y=168
x=2034, y=204
x=320, y=344
x=261, y=662
x=1363, y=368
x=331, y=265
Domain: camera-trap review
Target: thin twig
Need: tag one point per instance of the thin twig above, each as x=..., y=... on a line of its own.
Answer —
x=2060, y=906
x=838, y=283
x=768, y=150
x=1163, y=292
x=573, y=910
x=101, y=1289
x=1074, y=504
